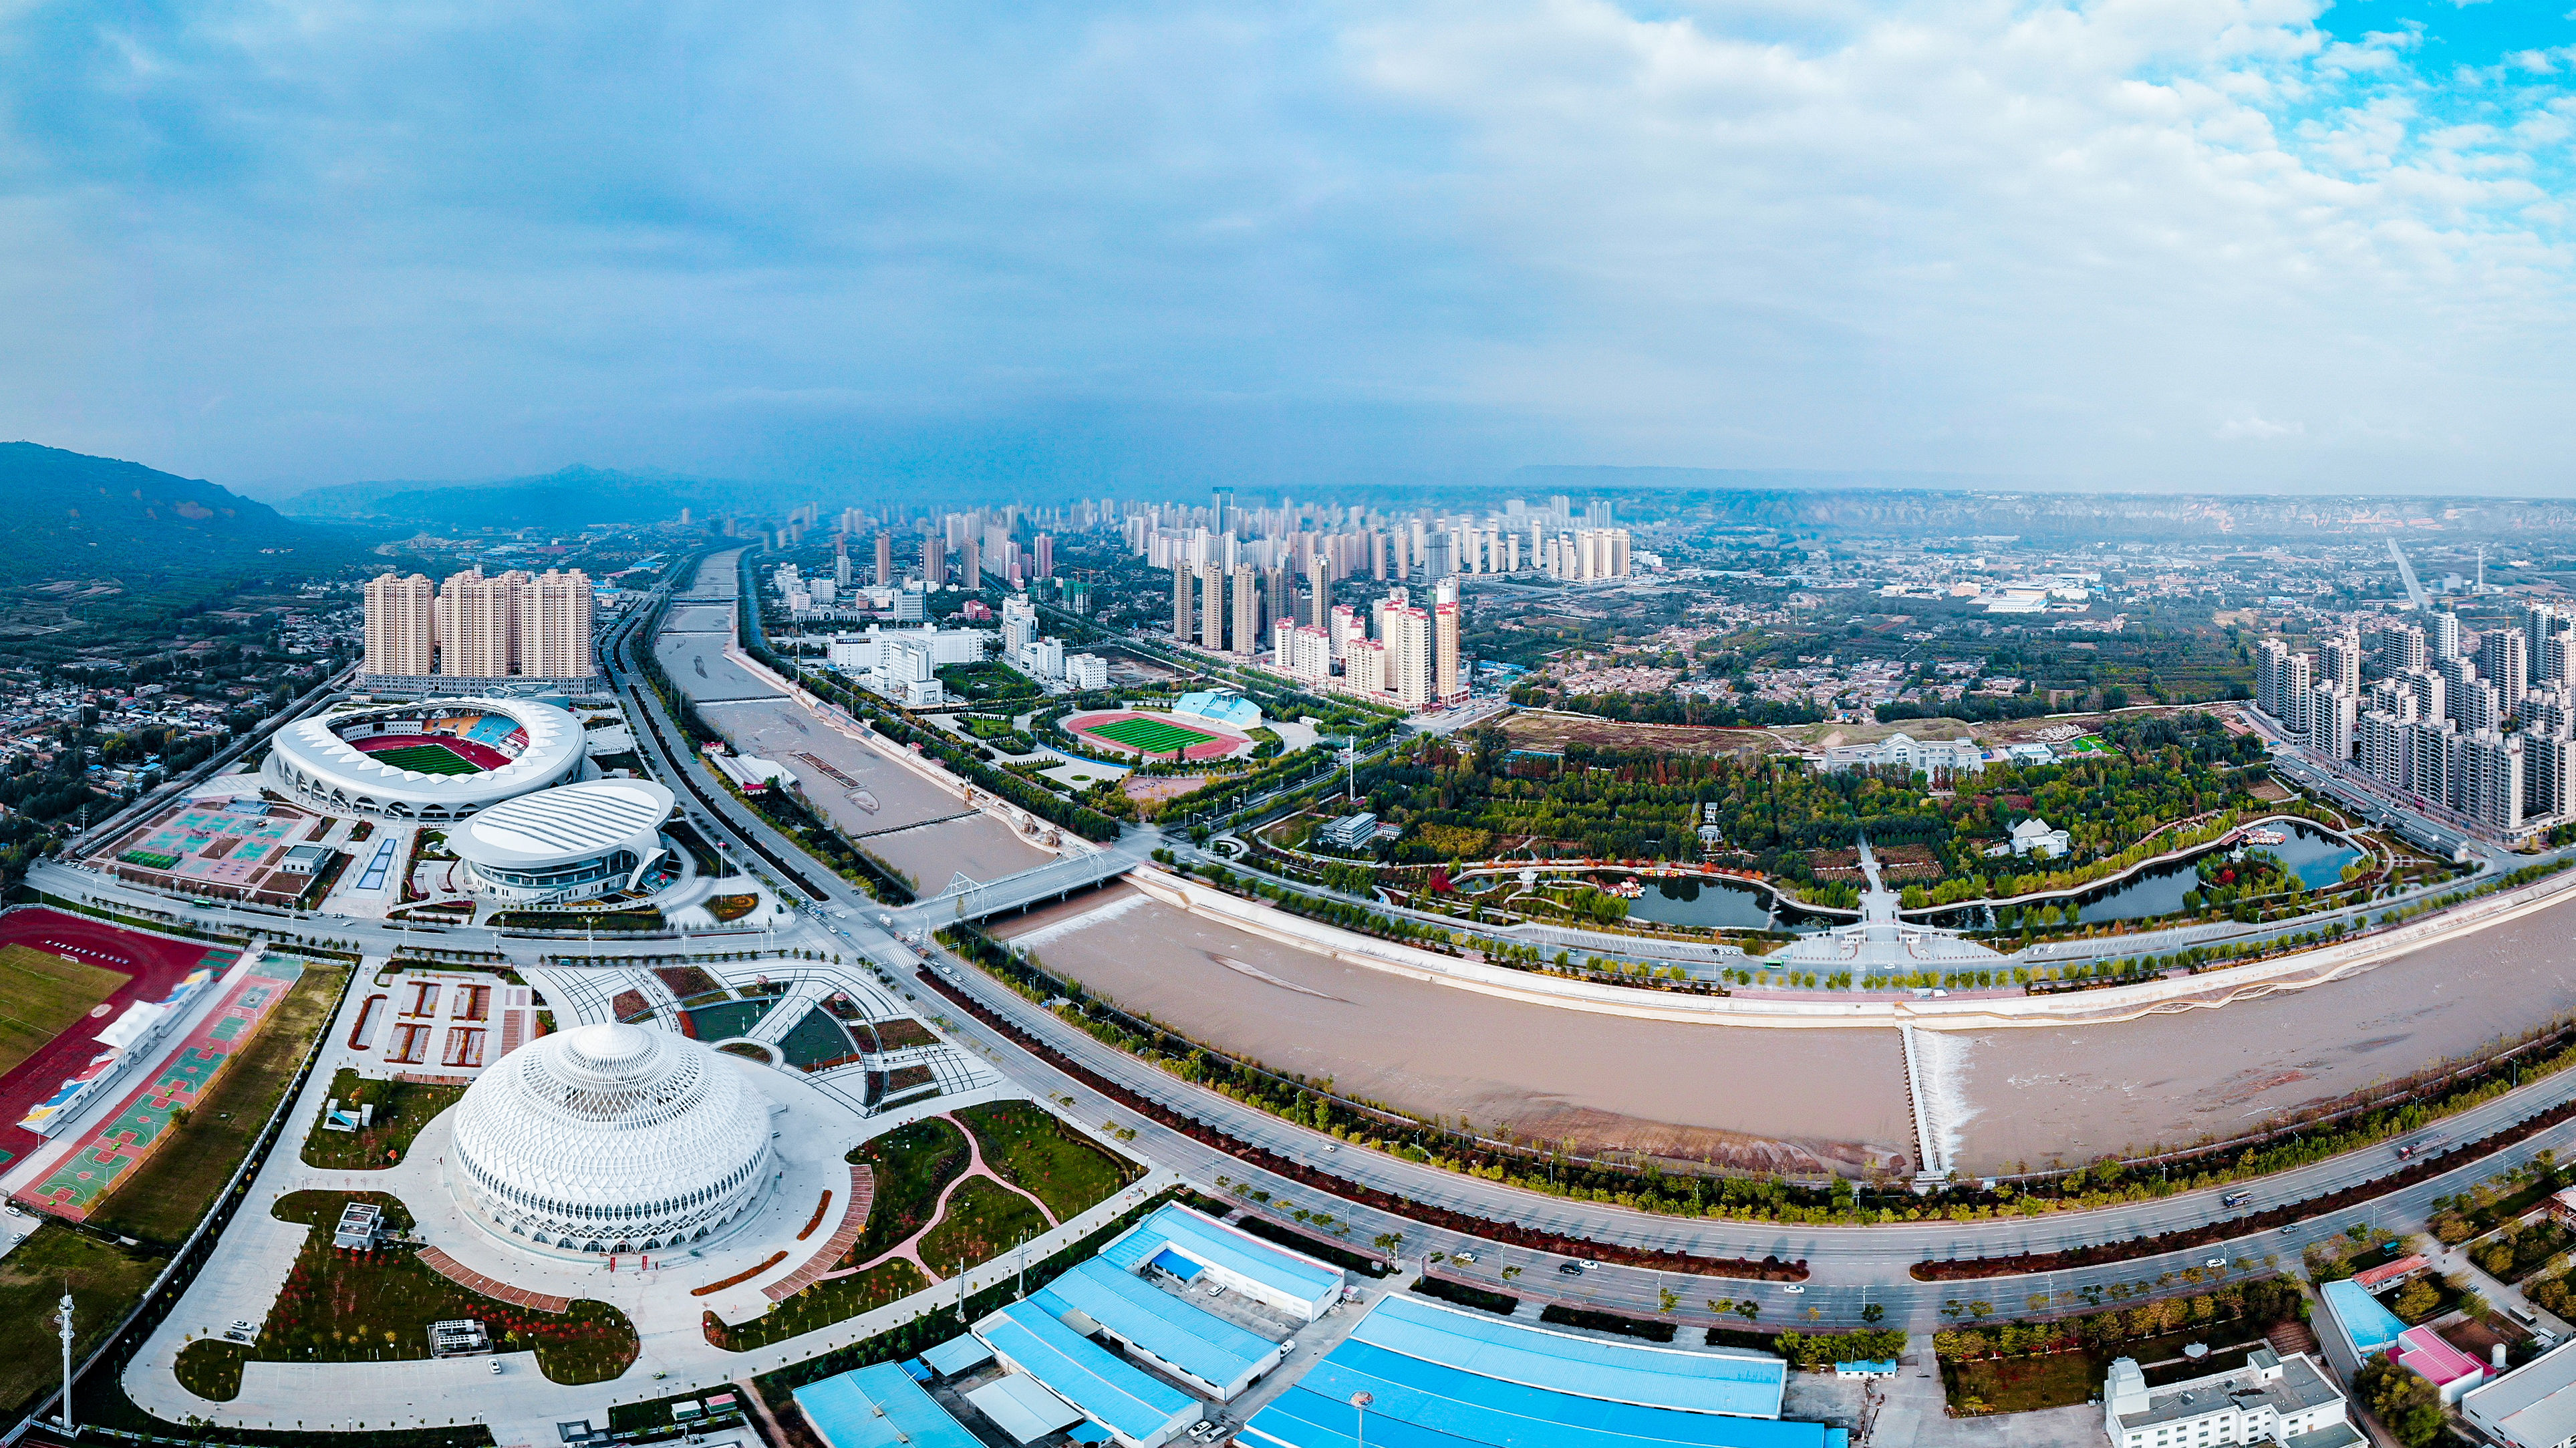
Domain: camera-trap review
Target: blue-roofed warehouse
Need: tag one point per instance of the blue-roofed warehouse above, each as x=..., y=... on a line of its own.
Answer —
x=1138, y=1409
x=1183, y=1339
x=1189, y=1245
x=880, y=1407
x=1443, y=1377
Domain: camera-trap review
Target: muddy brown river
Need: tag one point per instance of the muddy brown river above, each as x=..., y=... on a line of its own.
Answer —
x=1802, y=1100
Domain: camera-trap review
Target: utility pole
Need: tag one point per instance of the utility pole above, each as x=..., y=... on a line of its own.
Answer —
x=64, y=1317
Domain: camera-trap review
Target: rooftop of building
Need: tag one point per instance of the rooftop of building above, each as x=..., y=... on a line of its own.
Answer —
x=2536, y=1402
x=2299, y=1387
x=880, y=1407
x=1171, y=1328
x=1437, y=1374
x=1176, y=1228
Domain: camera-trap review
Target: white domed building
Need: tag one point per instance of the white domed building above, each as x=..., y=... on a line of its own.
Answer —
x=612, y=1138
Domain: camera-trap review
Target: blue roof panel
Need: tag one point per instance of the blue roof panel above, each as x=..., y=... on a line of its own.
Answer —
x=845, y=1410
x=1177, y=1228
x=1512, y=1352
x=1082, y=1372
x=1187, y=1336
x=2369, y=1325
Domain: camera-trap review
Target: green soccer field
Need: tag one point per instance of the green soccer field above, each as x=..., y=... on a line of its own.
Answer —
x=1152, y=736
x=42, y=995
x=428, y=759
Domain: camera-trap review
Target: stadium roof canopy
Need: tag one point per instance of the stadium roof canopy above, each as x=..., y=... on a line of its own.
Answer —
x=566, y=825
x=310, y=762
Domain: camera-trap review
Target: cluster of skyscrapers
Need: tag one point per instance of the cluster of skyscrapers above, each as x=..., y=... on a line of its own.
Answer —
x=2476, y=723
x=478, y=626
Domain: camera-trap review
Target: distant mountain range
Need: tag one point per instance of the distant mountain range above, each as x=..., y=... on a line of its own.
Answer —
x=164, y=538
x=563, y=500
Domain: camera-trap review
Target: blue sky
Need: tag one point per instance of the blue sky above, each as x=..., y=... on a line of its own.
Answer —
x=2136, y=243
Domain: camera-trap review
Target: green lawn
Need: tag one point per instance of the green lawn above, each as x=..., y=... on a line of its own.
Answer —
x=42, y=994
x=105, y=1283
x=1153, y=736
x=826, y=1303
x=166, y=1196
x=984, y=1220
x=1028, y=1147
x=2020, y=1385
x=402, y=1109
x=428, y=759
x=377, y=1307
x=911, y=1164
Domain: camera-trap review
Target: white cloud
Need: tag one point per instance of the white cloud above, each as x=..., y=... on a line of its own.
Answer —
x=334, y=238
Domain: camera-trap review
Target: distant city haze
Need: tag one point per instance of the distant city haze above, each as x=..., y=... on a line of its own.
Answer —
x=2265, y=246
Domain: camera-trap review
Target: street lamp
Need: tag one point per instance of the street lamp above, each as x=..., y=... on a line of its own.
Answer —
x=1359, y=1403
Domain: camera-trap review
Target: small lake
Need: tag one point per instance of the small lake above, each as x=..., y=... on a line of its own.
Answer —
x=1722, y=904
x=2316, y=857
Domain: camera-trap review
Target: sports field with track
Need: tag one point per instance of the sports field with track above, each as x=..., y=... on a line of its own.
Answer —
x=426, y=759
x=1154, y=736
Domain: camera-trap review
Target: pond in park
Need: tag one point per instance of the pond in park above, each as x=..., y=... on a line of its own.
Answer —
x=2315, y=856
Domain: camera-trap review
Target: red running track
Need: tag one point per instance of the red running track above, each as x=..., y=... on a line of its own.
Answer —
x=156, y=964
x=480, y=755
x=1223, y=745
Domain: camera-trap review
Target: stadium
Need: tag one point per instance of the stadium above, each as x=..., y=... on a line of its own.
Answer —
x=572, y=842
x=1155, y=735
x=437, y=760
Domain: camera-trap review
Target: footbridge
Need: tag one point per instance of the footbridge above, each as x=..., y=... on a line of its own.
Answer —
x=967, y=900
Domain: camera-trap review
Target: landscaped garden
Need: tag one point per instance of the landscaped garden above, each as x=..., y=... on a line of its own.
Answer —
x=1027, y=1146
x=402, y=1108
x=344, y=1306
x=911, y=1164
x=832, y=1300
x=984, y=1220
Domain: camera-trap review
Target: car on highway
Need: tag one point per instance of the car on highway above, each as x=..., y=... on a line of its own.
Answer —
x=1467, y=1257
x=2235, y=1199
x=1793, y=1287
x=1570, y=1269
x=2215, y=1262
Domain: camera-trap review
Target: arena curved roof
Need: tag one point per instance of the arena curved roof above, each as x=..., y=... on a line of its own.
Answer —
x=564, y=824
x=612, y=1137
x=309, y=760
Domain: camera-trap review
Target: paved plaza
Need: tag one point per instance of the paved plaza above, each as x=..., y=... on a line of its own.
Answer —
x=817, y=1119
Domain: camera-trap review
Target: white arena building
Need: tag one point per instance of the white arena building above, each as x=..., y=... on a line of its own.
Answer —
x=612, y=1138
x=571, y=842
x=436, y=760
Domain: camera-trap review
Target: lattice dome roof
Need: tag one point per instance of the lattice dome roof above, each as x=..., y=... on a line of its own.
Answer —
x=613, y=1118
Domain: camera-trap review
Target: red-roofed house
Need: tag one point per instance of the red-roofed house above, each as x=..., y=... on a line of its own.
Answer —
x=2421, y=1351
x=2379, y=1279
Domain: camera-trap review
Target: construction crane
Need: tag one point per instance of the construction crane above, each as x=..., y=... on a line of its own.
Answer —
x=2415, y=595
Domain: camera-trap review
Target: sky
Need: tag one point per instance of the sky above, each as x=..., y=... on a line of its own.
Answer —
x=2173, y=244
